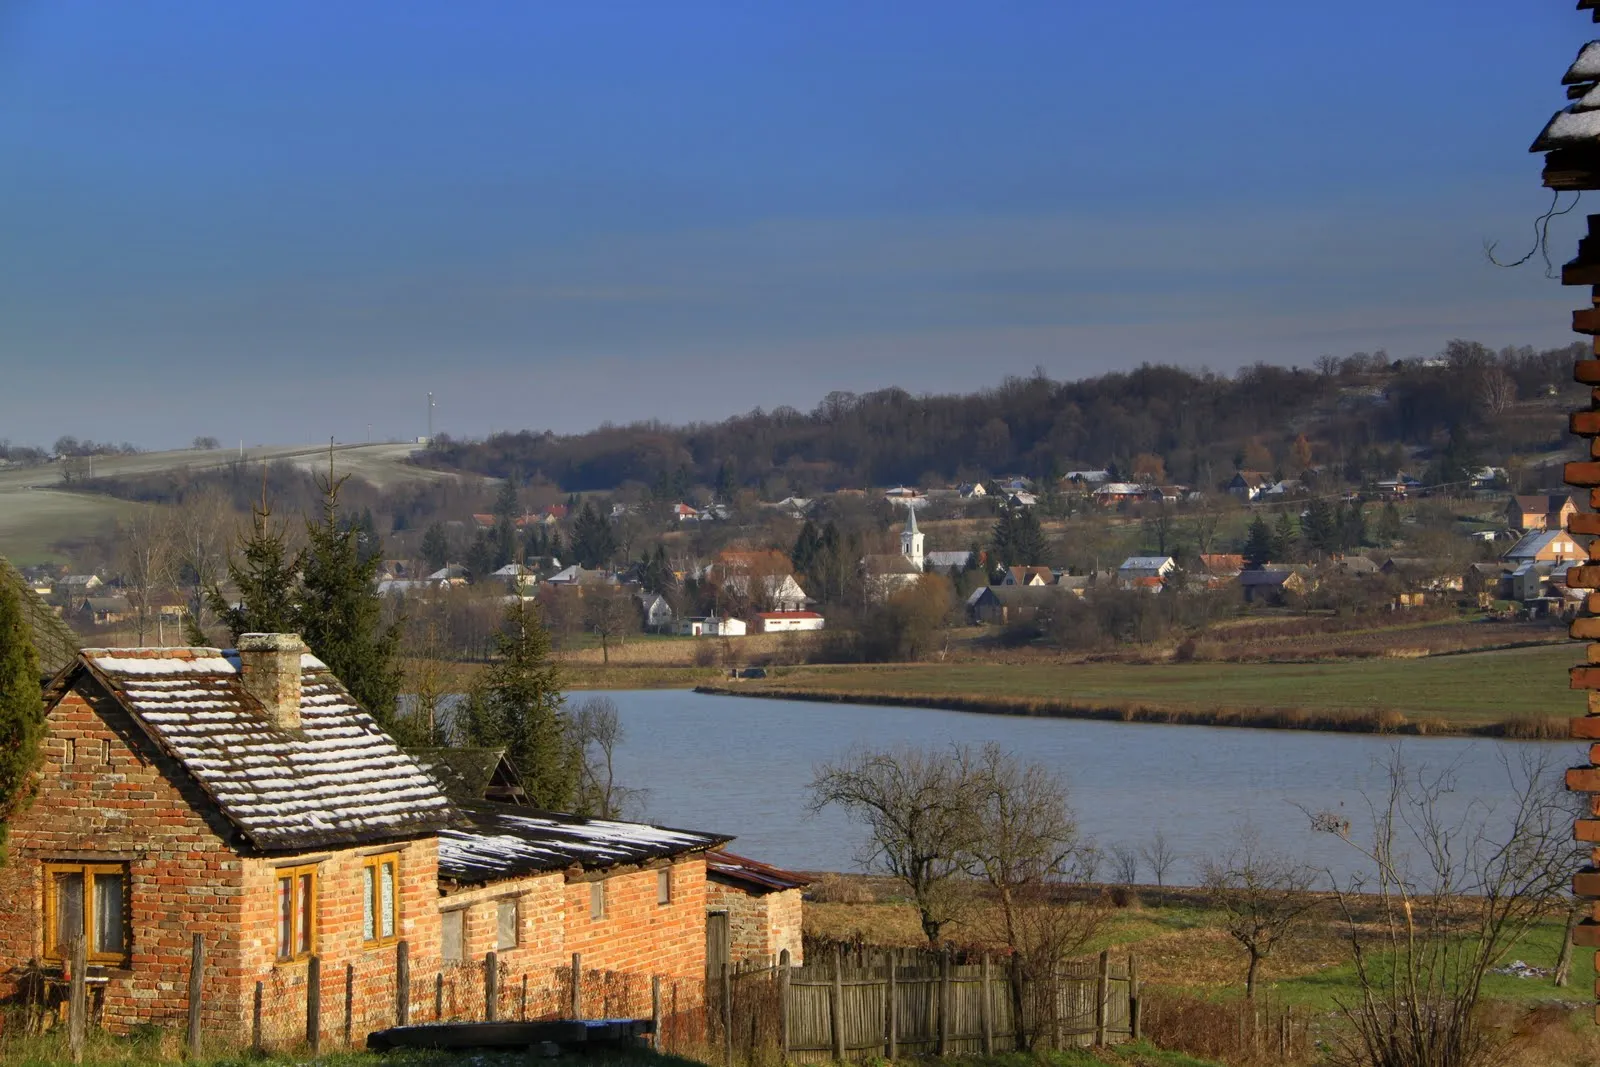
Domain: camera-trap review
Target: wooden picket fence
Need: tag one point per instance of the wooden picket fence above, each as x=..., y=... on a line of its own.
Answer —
x=894, y=1003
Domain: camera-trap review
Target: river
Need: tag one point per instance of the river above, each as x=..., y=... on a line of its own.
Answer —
x=741, y=766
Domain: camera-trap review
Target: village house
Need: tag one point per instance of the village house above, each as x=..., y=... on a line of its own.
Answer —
x=1139, y=571
x=245, y=797
x=762, y=906
x=971, y=491
x=1271, y=585
x=780, y=622
x=105, y=610
x=655, y=613
x=1544, y=546
x=1542, y=512
x=710, y=626
x=1248, y=485
x=1000, y=605
x=947, y=563
x=1028, y=576
x=1113, y=494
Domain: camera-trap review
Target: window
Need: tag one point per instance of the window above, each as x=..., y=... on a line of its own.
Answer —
x=453, y=935
x=87, y=900
x=664, y=886
x=297, y=912
x=506, y=924
x=380, y=898
x=597, y=900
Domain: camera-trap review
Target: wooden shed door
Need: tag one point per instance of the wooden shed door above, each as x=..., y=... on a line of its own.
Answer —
x=716, y=942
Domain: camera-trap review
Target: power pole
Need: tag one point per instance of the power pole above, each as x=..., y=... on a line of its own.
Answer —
x=430, y=418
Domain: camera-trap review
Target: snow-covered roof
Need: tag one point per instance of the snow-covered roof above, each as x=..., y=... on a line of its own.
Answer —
x=339, y=779
x=499, y=842
x=749, y=874
x=1146, y=563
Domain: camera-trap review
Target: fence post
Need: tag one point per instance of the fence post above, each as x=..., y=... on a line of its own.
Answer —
x=1057, y=1022
x=255, y=1020
x=944, y=1004
x=836, y=1005
x=349, y=1002
x=1133, y=997
x=438, y=997
x=655, y=1009
x=522, y=1002
x=402, y=984
x=727, y=1016
x=197, y=964
x=985, y=1011
x=491, y=986
x=783, y=1004
x=314, y=1003
x=576, y=992
x=894, y=1012
x=77, y=999
x=1102, y=983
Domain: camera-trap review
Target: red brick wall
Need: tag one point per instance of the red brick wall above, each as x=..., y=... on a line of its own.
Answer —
x=760, y=926
x=137, y=808
x=141, y=808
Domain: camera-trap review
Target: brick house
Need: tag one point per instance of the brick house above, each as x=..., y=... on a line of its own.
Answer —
x=245, y=797
x=1542, y=512
x=763, y=908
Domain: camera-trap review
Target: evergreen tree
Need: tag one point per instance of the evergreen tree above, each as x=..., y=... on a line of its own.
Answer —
x=340, y=616
x=806, y=546
x=435, y=547
x=505, y=525
x=1258, y=547
x=1032, y=548
x=1284, y=537
x=1003, y=539
x=593, y=543
x=481, y=555
x=517, y=703
x=1353, y=528
x=1322, y=527
x=555, y=549
x=725, y=485
x=1389, y=524
x=21, y=707
x=657, y=576
x=265, y=574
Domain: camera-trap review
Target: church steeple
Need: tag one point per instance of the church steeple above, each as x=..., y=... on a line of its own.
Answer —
x=911, y=539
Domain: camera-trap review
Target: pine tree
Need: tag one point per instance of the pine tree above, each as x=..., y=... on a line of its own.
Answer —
x=657, y=576
x=517, y=704
x=1028, y=540
x=593, y=543
x=806, y=547
x=1284, y=537
x=340, y=616
x=435, y=547
x=1003, y=539
x=21, y=708
x=1353, y=529
x=505, y=525
x=265, y=574
x=1322, y=526
x=1258, y=548
x=1389, y=524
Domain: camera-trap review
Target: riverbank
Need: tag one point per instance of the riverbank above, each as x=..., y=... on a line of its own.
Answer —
x=1519, y=694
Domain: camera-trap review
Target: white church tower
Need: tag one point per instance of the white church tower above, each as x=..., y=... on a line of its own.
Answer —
x=911, y=539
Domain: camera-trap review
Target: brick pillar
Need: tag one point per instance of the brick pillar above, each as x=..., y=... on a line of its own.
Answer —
x=1585, y=270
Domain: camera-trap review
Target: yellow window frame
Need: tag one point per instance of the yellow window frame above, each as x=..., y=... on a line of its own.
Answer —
x=374, y=898
x=87, y=871
x=298, y=893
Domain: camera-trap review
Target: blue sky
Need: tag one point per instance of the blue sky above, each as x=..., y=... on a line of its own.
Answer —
x=280, y=221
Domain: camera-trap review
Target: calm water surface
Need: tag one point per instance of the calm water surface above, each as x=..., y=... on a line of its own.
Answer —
x=741, y=766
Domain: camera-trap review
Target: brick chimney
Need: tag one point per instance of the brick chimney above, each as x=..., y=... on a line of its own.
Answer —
x=269, y=668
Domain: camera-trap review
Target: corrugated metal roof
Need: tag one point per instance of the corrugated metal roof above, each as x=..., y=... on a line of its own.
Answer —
x=53, y=639
x=751, y=874
x=337, y=780
x=503, y=842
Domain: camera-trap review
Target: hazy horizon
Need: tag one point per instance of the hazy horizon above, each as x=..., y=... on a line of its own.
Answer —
x=287, y=222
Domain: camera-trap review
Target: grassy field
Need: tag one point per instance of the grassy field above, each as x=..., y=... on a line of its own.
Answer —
x=1476, y=691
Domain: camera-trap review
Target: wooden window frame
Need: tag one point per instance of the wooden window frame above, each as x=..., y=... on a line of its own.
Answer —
x=87, y=870
x=295, y=953
x=664, y=887
x=597, y=900
x=374, y=900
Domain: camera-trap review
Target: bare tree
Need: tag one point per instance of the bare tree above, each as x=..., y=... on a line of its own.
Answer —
x=597, y=730
x=610, y=615
x=1453, y=893
x=144, y=557
x=1023, y=839
x=1160, y=855
x=1125, y=864
x=917, y=807
x=202, y=527
x=1262, y=894
x=424, y=661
